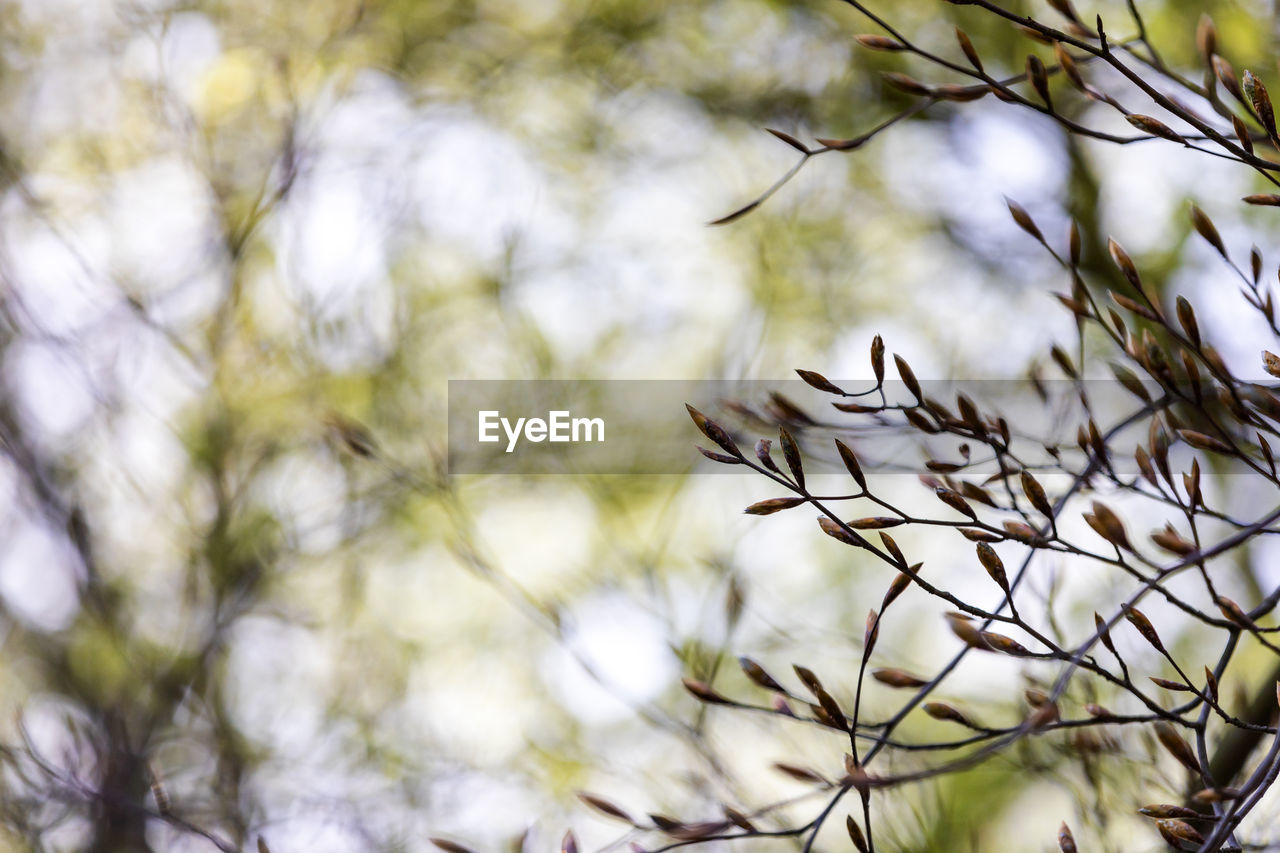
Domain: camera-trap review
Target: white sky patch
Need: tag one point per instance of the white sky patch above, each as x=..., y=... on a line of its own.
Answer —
x=1265, y=562
x=333, y=243
x=148, y=451
x=537, y=561
x=50, y=275
x=1011, y=155
x=56, y=396
x=307, y=492
x=370, y=121
x=74, y=88
x=189, y=47
x=161, y=216
x=478, y=187
x=37, y=578
x=482, y=807
x=334, y=261
x=466, y=702
x=276, y=674
x=986, y=156
x=649, y=265
x=625, y=645
x=154, y=376
x=1147, y=184
x=86, y=12
x=336, y=229
x=44, y=718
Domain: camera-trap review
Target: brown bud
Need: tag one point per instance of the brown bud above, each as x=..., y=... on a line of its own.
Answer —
x=817, y=380
x=1024, y=220
x=1108, y=525
x=994, y=565
x=807, y=678
x=1125, y=263
x=875, y=522
x=1234, y=613
x=790, y=140
x=855, y=834
x=1066, y=843
x=443, y=843
x=605, y=807
x=802, y=774
x=966, y=47
x=870, y=634
x=1131, y=382
x=1066, y=10
x=714, y=431
x=763, y=448
x=1035, y=493
x=836, y=531
x=1200, y=441
x=1139, y=620
x=875, y=42
x=1042, y=716
x=908, y=377
x=1216, y=795
x=1104, y=635
x=1143, y=459
x=1039, y=78
x=1227, y=76
x=1068, y=66
x=739, y=820
x=703, y=693
x=1168, y=539
x=791, y=453
x=757, y=674
x=1165, y=810
x=955, y=501
x=1206, y=37
x=896, y=677
x=896, y=588
x=893, y=549
x=1204, y=226
x=1211, y=683
x=962, y=626
x=904, y=83
x=1271, y=362
x=1187, y=319
x=1256, y=92
x=1155, y=127
x=943, y=711
x=979, y=535
x=851, y=463
x=1177, y=747
x=961, y=94
x=1180, y=834
x=1132, y=305
x=1001, y=643
x=772, y=505
x=1024, y=533
x=1242, y=133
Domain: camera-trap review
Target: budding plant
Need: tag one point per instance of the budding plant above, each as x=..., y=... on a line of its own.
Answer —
x=1010, y=502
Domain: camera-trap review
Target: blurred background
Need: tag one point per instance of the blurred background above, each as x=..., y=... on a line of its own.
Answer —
x=243, y=247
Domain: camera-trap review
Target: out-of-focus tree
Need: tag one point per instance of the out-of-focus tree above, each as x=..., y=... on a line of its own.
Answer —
x=243, y=246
